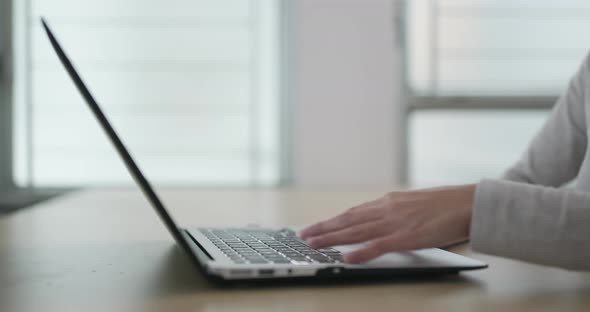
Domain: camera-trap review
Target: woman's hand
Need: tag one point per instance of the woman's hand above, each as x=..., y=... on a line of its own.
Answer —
x=398, y=221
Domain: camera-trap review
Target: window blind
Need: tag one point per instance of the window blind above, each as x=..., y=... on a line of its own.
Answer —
x=485, y=49
x=191, y=86
x=495, y=47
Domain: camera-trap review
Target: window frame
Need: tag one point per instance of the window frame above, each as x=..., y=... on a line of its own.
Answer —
x=412, y=103
x=6, y=140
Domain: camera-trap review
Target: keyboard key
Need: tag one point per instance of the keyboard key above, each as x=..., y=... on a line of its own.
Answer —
x=327, y=260
x=258, y=261
x=329, y=254
x=263, y=246
x=273, y=255
x=249, y=254
x=300, y=262
x=319, y=258
x=280, y=261
x=269, y=252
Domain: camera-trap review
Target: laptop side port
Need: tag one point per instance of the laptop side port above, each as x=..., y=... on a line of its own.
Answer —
x=237, y=273
x=266, y=272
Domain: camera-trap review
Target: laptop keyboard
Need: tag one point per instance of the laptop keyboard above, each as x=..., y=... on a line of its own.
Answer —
x=260, y=246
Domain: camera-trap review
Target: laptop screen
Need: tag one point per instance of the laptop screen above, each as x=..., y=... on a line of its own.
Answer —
x=132, y=167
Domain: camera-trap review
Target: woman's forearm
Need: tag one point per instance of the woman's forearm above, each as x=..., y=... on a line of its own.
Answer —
x=533, y=223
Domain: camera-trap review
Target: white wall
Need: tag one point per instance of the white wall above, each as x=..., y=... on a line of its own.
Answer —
x=346, y=93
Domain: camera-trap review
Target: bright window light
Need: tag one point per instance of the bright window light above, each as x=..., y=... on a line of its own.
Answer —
x=192, y=87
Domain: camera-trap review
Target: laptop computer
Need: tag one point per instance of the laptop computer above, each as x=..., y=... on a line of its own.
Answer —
x=251, y=253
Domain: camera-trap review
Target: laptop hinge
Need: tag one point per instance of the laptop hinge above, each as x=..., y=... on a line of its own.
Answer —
x=201, y=248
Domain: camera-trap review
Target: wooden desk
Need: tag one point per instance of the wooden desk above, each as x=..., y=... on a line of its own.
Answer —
x=105, y=250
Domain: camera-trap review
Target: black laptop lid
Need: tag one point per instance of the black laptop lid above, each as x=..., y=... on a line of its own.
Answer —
x=137, y=175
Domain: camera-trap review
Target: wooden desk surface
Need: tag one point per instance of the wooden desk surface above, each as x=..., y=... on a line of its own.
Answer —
x=105, y=250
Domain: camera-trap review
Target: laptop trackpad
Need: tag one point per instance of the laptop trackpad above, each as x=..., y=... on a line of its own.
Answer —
x=417, y=258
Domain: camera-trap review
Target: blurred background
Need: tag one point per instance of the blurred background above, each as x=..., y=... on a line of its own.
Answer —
x=267, y=93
